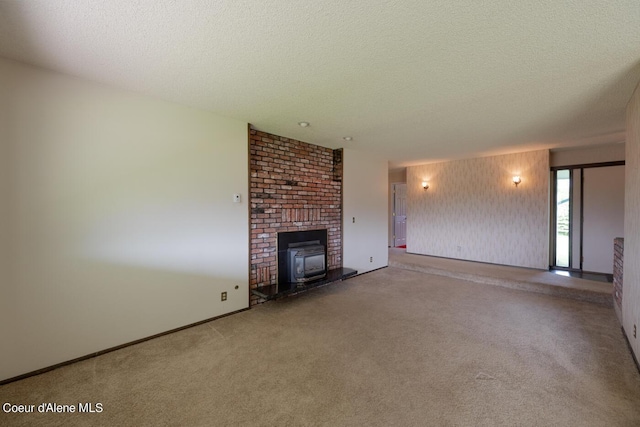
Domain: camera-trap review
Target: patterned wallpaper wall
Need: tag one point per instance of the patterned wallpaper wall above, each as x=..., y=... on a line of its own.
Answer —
x=473, y=211
x=631, y=268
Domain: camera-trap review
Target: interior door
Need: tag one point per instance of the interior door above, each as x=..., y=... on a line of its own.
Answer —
x=603, y=216
x=399, y=215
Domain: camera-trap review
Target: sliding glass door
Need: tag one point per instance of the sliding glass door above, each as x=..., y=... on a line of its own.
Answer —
x=587, y=214
x=562, y=217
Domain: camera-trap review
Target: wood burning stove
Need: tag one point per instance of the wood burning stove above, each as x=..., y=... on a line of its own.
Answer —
x=306, y=261
x=302, y=258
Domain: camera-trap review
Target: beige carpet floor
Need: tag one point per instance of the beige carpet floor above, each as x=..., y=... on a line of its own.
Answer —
x=532, y=280
x=388, y=348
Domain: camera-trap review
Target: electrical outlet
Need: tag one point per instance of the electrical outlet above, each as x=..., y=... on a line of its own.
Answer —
x=223, y=296
x=370, y=259
x=634, y=330
x=458, y=248
x=353, y=220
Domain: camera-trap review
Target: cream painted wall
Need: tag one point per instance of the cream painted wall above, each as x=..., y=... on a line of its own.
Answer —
x=631, y=282
x=6, y=171
x=473, y=211
x=587, y=155
x=120, y=214
x=365, y=193
x=397, y=175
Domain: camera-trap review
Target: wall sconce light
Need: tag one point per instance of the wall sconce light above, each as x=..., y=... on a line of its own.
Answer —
x=425, y=185
x=516, y=180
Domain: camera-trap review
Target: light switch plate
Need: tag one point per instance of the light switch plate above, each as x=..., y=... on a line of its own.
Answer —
x=236, y=198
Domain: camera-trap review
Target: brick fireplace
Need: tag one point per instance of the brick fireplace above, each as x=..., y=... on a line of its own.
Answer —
x=294, y=186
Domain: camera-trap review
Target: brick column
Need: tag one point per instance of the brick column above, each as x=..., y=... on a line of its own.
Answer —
x=618, y=263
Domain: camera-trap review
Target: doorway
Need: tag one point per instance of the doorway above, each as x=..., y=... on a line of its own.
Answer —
x=400, y=215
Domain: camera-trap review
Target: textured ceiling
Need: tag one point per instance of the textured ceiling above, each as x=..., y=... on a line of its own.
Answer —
x=415, y=81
